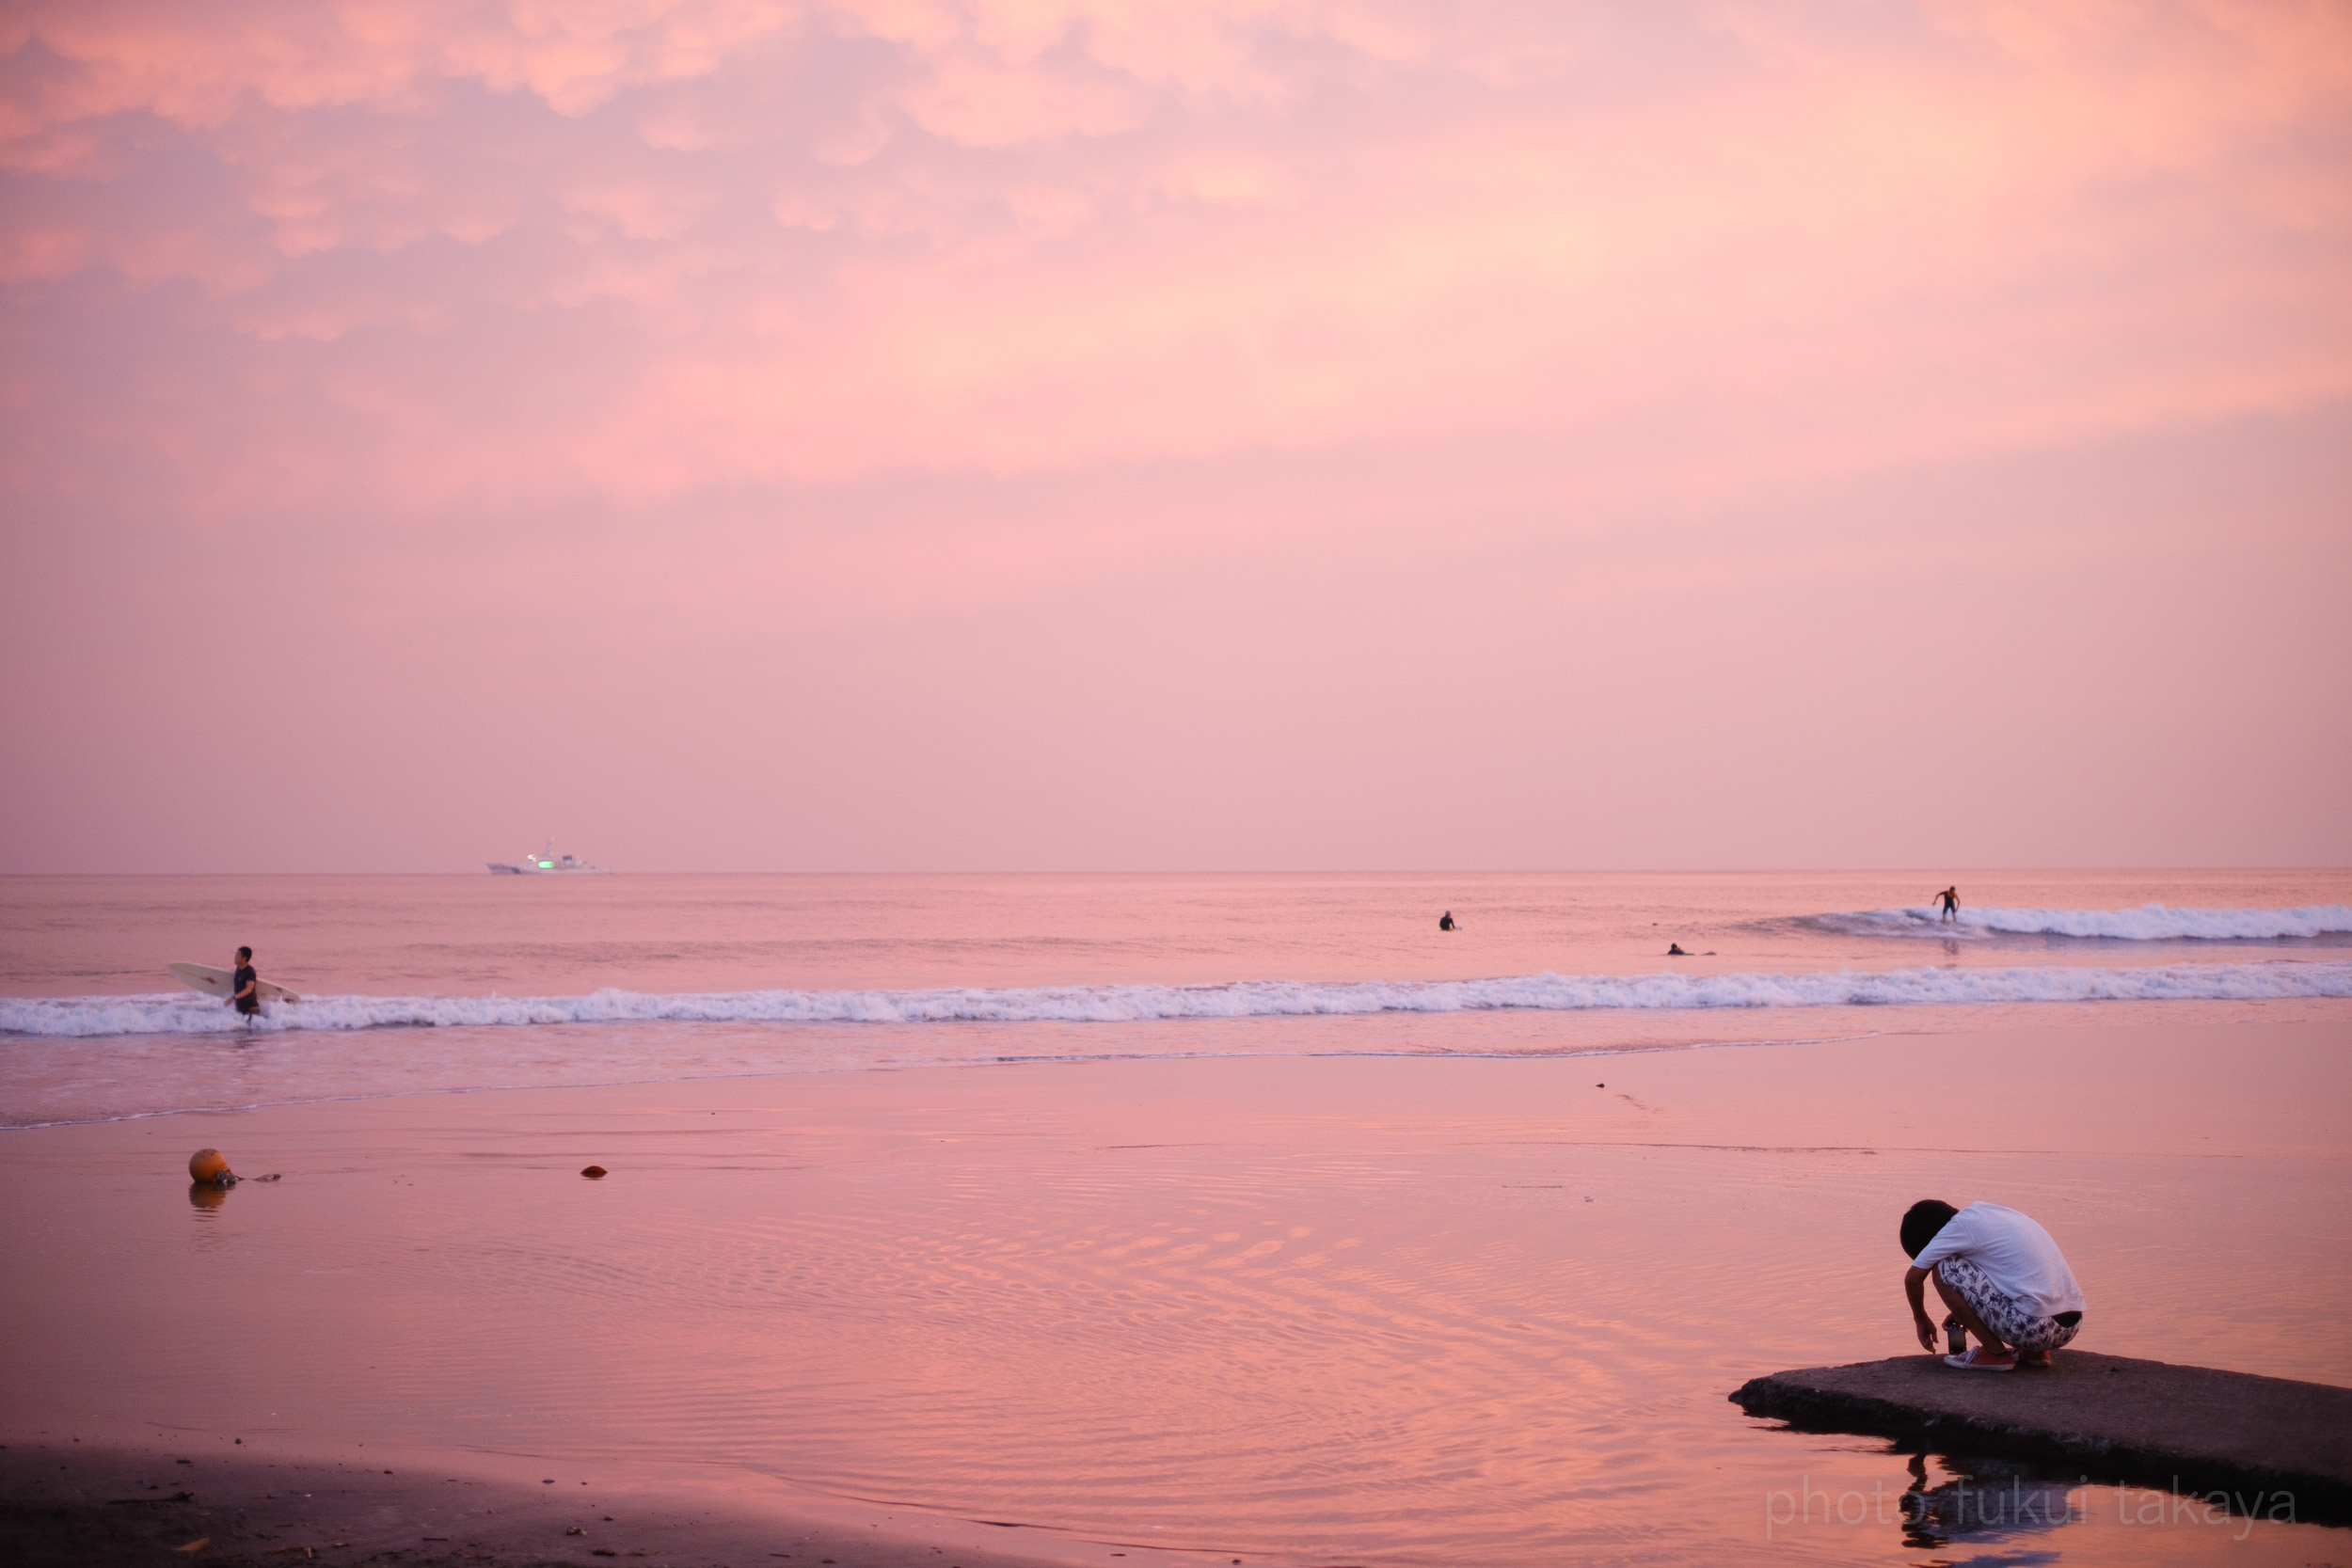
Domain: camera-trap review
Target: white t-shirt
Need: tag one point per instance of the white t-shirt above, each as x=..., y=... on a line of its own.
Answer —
x=2015, y=1253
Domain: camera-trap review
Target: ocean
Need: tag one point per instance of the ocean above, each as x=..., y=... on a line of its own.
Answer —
x=1180, y=1218
x=413, y=984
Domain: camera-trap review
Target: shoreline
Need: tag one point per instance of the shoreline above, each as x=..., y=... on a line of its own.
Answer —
x=1502, y=1034
x=73, y=1503
x=1249, y=1306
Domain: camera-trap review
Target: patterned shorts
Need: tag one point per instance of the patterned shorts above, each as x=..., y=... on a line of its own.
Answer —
x=2012, y=1320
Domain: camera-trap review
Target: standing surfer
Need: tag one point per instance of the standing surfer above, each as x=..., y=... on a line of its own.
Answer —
x=1950, y=899
x=245, y=988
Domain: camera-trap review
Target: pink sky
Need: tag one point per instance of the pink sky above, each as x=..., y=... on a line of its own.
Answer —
x=1107, y=435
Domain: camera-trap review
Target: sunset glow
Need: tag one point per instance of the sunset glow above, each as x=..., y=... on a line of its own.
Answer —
x=901, y=435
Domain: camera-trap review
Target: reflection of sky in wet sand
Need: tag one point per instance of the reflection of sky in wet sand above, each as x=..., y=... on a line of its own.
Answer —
x=1396, y=1310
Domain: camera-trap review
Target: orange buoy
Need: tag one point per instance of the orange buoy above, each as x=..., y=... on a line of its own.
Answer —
x=207, y=1164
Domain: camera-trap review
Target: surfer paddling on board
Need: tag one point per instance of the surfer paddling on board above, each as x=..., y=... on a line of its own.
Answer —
x=1950, y=899
x=245, y=988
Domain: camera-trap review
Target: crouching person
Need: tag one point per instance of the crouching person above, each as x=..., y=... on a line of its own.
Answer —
x=2000, y=1275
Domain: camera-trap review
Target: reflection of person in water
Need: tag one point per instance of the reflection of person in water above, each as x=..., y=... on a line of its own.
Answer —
x=1983, y=1496
x=1445, y=922
x=1950, y=899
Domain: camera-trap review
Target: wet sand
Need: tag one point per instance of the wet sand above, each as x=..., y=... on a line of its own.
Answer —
x=76, y=1503
x=1294, y=1310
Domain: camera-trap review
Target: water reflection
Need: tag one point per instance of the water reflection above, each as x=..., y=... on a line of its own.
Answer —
x=1983, y=1499
x=205, y=1196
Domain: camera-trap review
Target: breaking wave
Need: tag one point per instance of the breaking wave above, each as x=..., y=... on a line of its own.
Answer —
x=2149, y=923
x=102, y=1016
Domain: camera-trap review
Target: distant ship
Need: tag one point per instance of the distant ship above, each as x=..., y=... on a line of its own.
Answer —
x=546, y=862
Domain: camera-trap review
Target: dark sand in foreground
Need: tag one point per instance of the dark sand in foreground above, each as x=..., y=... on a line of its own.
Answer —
x=71, y=1503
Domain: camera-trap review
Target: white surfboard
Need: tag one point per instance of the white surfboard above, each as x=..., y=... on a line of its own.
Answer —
x=215, y=982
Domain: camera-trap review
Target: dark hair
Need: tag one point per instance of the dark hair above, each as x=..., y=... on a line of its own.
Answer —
x=245, y=954
x=1921, y=1222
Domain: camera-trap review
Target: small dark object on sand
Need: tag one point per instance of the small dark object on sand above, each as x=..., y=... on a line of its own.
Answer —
x=592, y=1172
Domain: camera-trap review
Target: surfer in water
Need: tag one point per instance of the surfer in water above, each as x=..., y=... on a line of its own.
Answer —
x=1950, y=899
x=245, y=986
x=1445, y=922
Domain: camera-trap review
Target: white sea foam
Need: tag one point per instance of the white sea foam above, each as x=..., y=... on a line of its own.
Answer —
x=2148, y=923
x=101, y=1015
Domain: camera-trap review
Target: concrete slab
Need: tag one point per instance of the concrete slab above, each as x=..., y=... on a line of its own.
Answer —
x=2140, y=1423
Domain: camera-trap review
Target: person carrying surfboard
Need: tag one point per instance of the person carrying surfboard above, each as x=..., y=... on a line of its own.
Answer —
x=1950, y=899
x=245, y=986
x=240, y=986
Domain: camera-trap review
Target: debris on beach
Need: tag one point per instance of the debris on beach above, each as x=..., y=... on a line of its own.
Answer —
x=210, y=1164
x=594, y=1173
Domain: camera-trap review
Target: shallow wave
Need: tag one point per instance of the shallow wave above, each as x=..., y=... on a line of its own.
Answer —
x=2148, y=923
x=100, y=1015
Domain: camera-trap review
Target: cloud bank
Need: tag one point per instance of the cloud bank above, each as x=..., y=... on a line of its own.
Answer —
x=861, y=311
